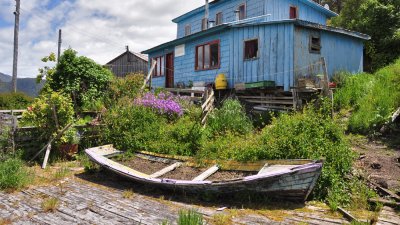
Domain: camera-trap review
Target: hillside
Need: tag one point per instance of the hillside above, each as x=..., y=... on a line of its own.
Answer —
x=25, y=85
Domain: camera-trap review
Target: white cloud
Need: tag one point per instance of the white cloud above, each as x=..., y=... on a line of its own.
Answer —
x=97, y=29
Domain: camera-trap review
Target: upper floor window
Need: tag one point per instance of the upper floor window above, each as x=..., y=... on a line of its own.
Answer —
x=293, y=12
x=159, y=69
x=204, y=24
x=218, y=19
x=188, y=30
x=207, y=56
x=315, y=44
x=242, y=11
x=251, y=49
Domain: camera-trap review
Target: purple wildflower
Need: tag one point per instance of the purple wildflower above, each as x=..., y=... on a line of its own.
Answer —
x=164, y=104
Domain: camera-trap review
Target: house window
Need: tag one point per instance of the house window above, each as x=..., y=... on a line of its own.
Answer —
x=159, y=69
x=207, y=56
x=251, y=49
x=242, y=12
x=204, y=24
x=293, y=12
x=218, y=19
x=188, y=30
x=315, y=44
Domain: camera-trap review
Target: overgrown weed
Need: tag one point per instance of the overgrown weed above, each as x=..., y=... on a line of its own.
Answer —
x=50, y=204
x=190, y=217
x=14, y=175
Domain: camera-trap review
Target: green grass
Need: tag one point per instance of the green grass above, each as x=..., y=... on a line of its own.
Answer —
x=190, y=217
x=13, y=175
x=372, y=98
x=50, y=204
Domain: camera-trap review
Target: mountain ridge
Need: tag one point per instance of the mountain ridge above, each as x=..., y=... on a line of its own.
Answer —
x=25, y=85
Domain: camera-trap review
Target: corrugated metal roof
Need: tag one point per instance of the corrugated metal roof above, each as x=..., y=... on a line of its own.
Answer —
x=256, y=22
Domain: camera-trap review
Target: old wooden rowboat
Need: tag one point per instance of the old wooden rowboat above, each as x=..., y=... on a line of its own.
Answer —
x=283, y=179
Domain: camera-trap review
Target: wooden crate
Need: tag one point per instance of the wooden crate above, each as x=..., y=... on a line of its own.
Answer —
x=260, y=84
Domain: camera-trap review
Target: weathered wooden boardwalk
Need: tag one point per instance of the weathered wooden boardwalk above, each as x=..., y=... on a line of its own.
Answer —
x=388, y=216
x=86, y=201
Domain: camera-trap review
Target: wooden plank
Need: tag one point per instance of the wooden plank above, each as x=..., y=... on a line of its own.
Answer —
x=210, y=97
x=184, y=90
x=271, y=102
x=384, y=201
x=207, y=173
x=166, y=170
x=266, y=97
x=396, y=115
x=386, y=191
x=347, y=215
x=153, y=65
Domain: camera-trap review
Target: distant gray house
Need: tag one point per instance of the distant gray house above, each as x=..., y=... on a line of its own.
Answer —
x=128, y=62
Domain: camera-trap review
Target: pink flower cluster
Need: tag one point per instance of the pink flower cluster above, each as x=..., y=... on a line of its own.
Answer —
x=162, y=103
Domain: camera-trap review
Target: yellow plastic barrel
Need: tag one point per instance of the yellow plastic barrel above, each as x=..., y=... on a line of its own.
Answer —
x=221, y=82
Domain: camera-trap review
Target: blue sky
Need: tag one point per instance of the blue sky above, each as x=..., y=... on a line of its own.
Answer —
x=96, y=28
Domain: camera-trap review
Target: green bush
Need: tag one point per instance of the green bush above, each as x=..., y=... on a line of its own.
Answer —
x=41, y=113
x=128, y=86
x=14, y=100
x=231, y=117
x=131, y=127
x=184, y=137
x=314, y=135
x=373, y=98
x=13, y=175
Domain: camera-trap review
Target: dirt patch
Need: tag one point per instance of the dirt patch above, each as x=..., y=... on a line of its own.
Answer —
x=379, y=161
x=182, y=172
x=142, y=165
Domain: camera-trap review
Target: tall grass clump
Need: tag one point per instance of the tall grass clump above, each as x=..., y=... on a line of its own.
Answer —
x=231, y=117
x=190, y=217
x=373, y=98
x=13, y=174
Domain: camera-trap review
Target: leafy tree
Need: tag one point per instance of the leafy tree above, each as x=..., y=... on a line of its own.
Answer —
x=381, y=20
x=82, y=78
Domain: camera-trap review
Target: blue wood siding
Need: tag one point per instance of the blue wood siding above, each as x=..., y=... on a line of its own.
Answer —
x=275, y=61
x=342, y=52
x=279, y=10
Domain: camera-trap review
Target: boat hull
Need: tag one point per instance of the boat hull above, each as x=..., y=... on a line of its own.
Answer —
x=292, y=184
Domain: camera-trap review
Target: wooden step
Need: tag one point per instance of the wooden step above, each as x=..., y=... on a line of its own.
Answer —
x=207, y=173
x=271, y=102
x=267, y=97
x=166, y=170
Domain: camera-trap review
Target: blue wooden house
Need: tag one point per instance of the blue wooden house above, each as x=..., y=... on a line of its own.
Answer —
x=255, y=40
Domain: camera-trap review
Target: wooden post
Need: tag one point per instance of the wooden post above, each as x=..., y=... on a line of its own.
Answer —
x=46, y=156
x=149, y=74
x=15, y=56
x=325, y=87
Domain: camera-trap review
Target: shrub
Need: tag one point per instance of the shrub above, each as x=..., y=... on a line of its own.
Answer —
x=190, y=217
x=41, y=113
x=17, y=100
x=231, y=117
x=13, y=174
x=314, y=135
x=78, y=76
x=128, y=86
x=232, y=146
x=183, y=137
x=131, y=127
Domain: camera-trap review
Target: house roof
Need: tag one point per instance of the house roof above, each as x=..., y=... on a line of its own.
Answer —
x=256, y=22
x=139, y=55
x=310, y=3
